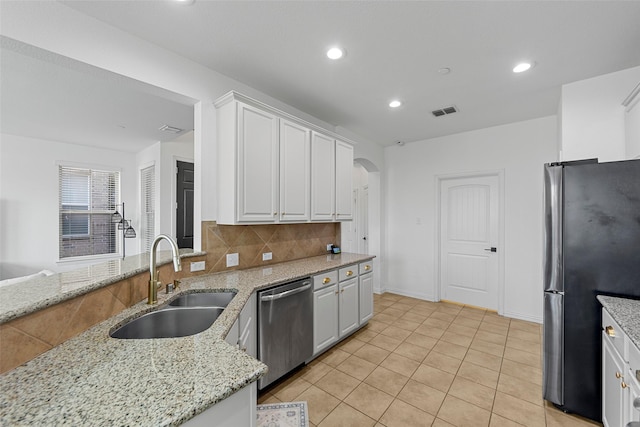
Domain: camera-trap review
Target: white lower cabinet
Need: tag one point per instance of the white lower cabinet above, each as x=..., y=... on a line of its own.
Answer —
x=349, y=313
x=620, y=375
x=325, y=318
x=366, y=291
x=612, y=391
x=243, y=333
x=239, y=409
x=338, y=299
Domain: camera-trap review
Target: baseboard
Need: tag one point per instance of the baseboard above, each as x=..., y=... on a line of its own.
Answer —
x=417, y=295
x=520, y=316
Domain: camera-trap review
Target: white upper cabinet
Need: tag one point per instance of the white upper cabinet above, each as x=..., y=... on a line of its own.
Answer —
x=274, y=167
x=247, y=164
x=323, y=177
x=295, y=172
x=344, y=181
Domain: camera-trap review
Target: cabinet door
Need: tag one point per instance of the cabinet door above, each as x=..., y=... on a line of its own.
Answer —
x=325, y=318
x=323, y=177
x=634, y=395
x=247, y=328
x=612, y=392
x=366, y=297
x=295, y=172
x=344, y=181
x=257, y=165
x=349, y=313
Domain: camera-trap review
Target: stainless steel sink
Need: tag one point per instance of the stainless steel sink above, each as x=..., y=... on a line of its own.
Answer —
x=204, y=299
x=170, y=322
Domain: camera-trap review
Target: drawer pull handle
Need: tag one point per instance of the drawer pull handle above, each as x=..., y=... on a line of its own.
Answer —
x=349, y=273
x=623, y=384
x=618, y=375
x=367, y=267
x=610, y=331
x=325, y=280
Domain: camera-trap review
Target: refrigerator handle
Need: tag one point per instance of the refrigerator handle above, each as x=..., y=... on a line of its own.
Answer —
x=553, y=203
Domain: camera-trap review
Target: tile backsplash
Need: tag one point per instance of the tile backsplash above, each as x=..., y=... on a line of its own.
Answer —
x=286, y=242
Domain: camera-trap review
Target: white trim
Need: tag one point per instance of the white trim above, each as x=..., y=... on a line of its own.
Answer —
x=501, y=229
x=418, y=295
x=525, y=317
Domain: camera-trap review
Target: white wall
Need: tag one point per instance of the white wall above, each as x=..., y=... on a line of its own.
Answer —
x=520, y=150
x=593, y=116
x=29, y=199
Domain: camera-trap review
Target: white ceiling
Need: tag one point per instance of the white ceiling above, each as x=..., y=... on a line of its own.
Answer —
x=394, y=50
x=48, y=96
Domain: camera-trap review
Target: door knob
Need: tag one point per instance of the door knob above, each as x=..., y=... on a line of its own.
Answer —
x=491, y=249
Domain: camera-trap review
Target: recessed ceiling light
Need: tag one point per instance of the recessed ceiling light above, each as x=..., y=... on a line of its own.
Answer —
x=185, y=1
x=444, y=70
x=395, y=103
x=521, y=67
x=335, y=53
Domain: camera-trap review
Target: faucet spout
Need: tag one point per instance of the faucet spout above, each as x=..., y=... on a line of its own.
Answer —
x=154, y=283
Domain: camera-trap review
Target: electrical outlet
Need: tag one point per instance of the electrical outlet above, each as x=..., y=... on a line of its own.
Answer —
x=197, y=266
x=267, y=256
x=233, y=260
x=329, y=246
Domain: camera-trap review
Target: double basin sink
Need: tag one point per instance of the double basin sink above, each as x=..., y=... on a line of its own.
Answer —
x=188, y=314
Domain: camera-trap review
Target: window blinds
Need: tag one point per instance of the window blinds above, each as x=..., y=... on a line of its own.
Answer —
x=87, y=199
x=147, y=206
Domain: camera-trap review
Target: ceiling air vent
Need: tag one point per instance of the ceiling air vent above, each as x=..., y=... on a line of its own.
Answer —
x=444, y=111
x=167, y=128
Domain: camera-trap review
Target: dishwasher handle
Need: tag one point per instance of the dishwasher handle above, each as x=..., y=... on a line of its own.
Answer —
x=285, y=294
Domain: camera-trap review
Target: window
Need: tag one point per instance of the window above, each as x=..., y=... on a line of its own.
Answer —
x=147, y=207
x=87, y=199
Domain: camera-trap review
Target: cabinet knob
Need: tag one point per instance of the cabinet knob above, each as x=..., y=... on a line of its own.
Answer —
x=275, y=213
x=342, y=291
x=349, y=273
x=610, y=331
x=367, y=267
x=623, y=384
x=618, y=375
x=325, y=280
x=337, y=292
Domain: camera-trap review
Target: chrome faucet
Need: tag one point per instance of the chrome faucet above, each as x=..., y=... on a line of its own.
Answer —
x=154, y=283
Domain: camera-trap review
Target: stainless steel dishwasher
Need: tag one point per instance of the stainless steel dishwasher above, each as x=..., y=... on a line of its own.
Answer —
x=285, y=328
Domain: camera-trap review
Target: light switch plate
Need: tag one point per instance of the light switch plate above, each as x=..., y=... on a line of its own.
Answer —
x=233, y=260
x=267, y=256
x=197, y=266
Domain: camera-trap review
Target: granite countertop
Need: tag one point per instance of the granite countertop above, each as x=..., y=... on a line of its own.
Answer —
x=626, y=312
x=96, y=380
x=35, y=294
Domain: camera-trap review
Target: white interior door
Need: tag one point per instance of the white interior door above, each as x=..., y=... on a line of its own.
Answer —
x=469, y=220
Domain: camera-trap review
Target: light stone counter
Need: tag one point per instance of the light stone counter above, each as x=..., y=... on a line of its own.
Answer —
x=96, y=380
x=35, y=294
x=626, y=312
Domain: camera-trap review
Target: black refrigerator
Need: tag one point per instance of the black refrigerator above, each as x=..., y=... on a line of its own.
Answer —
x=592, y=247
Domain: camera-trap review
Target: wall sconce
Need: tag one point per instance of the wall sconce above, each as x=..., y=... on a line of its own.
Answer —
x=125, y=225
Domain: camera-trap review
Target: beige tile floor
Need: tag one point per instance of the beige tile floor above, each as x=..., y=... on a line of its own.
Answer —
x=419, y=363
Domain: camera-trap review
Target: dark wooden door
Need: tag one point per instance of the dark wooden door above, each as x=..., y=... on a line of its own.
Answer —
x=184, y=208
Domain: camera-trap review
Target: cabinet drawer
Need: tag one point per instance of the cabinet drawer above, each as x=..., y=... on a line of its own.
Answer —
x=327, y=278
x=613, y=333
x=366, y=267
x=348, y=272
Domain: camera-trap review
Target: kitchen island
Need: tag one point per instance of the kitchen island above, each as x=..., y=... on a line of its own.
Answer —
x=93, y=379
